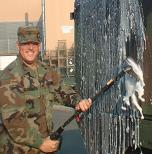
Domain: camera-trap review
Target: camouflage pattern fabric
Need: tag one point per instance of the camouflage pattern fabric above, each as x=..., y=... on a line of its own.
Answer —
x=26, y=100
x=28, y=34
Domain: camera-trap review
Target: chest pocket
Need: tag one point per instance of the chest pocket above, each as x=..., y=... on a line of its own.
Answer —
x=30, y=82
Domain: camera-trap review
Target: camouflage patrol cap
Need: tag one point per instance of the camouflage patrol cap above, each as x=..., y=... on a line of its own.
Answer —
x=28, y=34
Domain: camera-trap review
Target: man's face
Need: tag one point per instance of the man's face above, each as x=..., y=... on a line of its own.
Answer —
x=29, y=51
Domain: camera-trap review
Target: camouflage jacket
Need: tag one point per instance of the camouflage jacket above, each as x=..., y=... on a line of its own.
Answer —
x=26, y=100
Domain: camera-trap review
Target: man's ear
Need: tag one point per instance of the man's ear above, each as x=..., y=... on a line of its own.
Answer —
x=17, y=45
x=39, y=46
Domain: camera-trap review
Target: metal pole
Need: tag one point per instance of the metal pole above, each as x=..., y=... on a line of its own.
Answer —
x=43, y=29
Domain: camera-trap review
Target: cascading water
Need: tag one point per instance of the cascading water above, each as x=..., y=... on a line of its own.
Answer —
x=106, y=32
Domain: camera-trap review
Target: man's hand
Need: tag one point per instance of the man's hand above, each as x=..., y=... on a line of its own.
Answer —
x=84, y=105
x=49, y=145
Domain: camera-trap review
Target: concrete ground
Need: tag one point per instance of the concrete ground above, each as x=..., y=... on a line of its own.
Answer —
x=72, y=139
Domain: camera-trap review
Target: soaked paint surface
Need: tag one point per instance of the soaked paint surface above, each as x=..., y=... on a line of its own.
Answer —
x=106, y=32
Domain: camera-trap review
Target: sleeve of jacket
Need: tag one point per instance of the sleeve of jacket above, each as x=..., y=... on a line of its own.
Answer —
x=64, y=94
x=19, y=127
x=69, y=95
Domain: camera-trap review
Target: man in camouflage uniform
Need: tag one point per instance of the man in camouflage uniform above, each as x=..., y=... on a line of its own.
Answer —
x=28, y=90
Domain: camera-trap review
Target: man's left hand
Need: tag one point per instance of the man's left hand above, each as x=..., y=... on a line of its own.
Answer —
x=84, y=105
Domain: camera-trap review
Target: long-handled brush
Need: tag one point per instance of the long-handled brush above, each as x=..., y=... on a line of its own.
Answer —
x=133, y=83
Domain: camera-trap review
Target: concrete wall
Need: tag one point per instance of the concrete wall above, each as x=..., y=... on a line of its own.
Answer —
x=58, y=23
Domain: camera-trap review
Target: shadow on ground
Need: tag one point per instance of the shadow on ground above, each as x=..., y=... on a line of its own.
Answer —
x=72, y=140
x=72, y=143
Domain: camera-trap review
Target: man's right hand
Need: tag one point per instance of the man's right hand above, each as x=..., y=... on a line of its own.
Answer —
x=49, y=145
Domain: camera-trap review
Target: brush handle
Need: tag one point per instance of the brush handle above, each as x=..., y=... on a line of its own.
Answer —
x=56, y=135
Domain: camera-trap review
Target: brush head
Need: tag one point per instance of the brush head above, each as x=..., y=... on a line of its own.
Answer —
x=134, y=85
x=134, y=69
